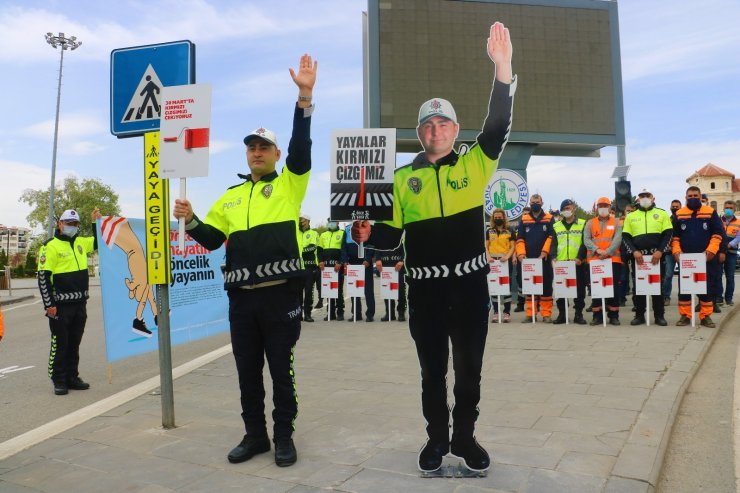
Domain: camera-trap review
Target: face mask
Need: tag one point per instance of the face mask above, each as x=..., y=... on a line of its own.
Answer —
x=603, y=211
x=70, y=231
x=566, y=214
x=645, y=202
x=693, y=203
x=536, y=208
x=729, y=212
x=498, y=222
x=674, y=209
x=332, y=226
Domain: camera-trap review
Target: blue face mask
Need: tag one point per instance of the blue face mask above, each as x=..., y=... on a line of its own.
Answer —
x=729, y=212
x=70, y=231
x=332, y=226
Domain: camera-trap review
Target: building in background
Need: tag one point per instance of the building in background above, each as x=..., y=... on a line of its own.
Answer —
x=719, y=185
x=14, y=240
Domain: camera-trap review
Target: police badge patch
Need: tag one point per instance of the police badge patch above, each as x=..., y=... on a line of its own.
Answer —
x=79, y=249
x=42, y=260
x=267, y=191
x=415, y=184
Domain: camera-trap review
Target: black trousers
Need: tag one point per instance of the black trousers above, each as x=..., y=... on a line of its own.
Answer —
x=66, y=335
x=656, y=300
x=369, y=296
x=266, y=322
x=440, y=311
x=579, y=302
x=311, y=278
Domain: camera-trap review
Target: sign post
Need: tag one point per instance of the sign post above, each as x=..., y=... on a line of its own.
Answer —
x=693, y=277
x=532, y=281
x=138, y=76
x=362, y=164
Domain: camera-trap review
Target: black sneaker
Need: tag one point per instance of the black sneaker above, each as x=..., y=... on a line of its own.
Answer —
x=285, y=452
x=469, y=450
x=614, y=321
x=60, y=388
x=431, y=454
x=139, y=328
x=638, y=320
x=78, y=384
x=248, y=448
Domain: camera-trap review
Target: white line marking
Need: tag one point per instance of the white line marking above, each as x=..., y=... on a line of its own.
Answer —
x=12, y=369
x=21, y=306
x=335, y=198
x=385, y=199
x=53, y=428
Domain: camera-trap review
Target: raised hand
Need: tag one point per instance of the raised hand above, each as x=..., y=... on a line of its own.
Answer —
x=306, y=76
x=500, y=51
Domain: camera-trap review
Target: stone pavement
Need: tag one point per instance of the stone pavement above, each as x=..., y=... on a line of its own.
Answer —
x=564, y=409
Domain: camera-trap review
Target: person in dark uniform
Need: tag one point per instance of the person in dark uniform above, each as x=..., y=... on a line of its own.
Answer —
x=263, y=274
x=393, y=259
x=438, y=205
x=350, y=256
x=64, y=282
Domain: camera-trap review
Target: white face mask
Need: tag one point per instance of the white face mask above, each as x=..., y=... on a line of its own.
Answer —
x=603, y=211
x=70, y=231
x=566, y=214
x=645, y=202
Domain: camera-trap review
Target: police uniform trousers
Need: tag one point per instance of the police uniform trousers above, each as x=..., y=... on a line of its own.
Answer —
x=66, y=335
x=579, y=302
x=311, y=278
x=443, y=310
x=640, y=301
x=706, y=301
x=266, y=322
x=369, y=291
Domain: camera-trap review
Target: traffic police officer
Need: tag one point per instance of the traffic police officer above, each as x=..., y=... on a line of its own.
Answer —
x=438, y=200
x=569, y=236
x=63, y=281
x=263, y=274
x=331, y=242
x=647, y=231
x=310, y=251
x=697, y=229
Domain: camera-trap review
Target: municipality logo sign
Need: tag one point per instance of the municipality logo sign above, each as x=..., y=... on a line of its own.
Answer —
x=507, y=190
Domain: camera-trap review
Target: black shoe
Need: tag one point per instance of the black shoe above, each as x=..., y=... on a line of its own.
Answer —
x=661, y=321
x=60, y=388
x=638, y=320
x=401, y=316
x=369, y=319
x=139, y=327
x=707, y=322
x=684, y=320
x=560, y=320
x=469, y=450
x=716, y=309
x=729, y=303
x=78, y=384
x=308, y=318
x=634, y=309
x=666, y=301
x=248, y=448
x=614, y=321
x=431, y=454
x=519, y=308
x=622, y=303
x=385, y=318
x=597, y=321
x=340, y=317
x=285, y=453
x=590, y=309
x=320, y=304
x=326, y=318
x=578, y=319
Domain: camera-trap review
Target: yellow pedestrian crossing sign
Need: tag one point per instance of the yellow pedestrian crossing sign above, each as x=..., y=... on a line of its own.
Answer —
x=138, y=75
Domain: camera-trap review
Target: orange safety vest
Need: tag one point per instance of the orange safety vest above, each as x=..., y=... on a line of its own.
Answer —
x=603, y=239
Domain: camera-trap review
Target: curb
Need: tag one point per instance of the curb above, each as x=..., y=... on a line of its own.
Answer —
x=642, y=456
x=16, y=299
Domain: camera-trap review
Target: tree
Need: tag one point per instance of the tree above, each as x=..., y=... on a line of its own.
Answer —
x=30, y=262
x=3, y=258
x=81, y=196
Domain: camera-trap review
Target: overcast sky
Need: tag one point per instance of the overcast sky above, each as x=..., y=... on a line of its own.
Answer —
x=680, y=65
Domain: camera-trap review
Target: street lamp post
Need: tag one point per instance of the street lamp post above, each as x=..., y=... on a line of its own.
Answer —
x=65, y=43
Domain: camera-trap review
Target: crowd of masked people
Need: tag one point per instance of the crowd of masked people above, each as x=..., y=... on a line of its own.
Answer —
x=642, y=232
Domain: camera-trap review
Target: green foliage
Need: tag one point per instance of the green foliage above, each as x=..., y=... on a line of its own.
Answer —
x=81, y=196
x=30, y=265
x=3, y=258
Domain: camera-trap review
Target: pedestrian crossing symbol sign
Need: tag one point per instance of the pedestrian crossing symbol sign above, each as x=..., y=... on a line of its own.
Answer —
x=138, y=75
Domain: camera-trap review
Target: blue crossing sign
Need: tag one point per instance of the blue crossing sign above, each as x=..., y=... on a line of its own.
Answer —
x=137, y=75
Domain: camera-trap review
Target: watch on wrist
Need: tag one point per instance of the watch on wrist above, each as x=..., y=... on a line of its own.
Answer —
x=305, y=98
